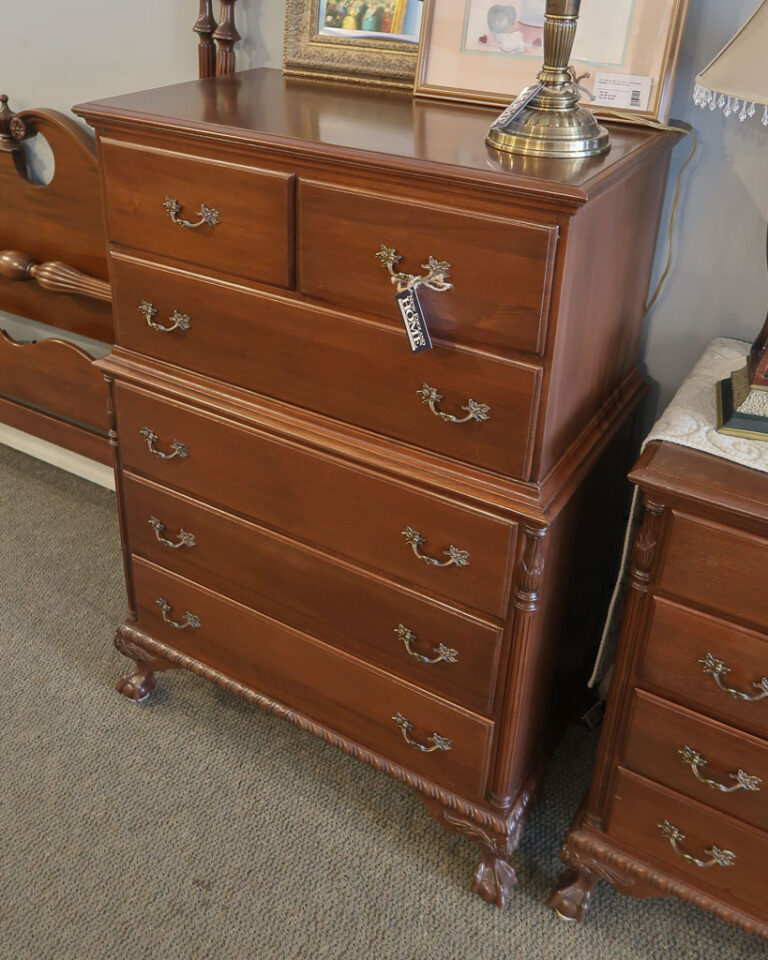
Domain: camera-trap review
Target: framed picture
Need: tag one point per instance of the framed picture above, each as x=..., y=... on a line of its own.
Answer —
x=625, y=53
x=371, y=41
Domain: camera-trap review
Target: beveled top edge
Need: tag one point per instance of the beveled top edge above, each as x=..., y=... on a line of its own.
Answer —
x=361, y=126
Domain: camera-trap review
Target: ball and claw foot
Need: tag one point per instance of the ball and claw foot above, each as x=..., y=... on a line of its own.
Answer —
x=138, y=684
x=494, y=880
x=571, y=899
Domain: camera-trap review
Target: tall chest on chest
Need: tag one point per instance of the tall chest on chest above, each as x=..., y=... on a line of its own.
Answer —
x=374, y=543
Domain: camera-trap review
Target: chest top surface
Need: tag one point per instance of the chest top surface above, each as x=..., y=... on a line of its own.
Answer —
x=338, y=121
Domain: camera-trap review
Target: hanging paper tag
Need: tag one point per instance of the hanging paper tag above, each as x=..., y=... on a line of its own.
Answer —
x=414, y=321
x=621, y=91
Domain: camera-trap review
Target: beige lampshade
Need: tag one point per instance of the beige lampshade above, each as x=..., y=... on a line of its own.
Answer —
x=736, y=80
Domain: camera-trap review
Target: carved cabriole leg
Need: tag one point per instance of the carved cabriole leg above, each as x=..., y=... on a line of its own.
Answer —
x=139, y=682
x=574, y=891
x=494, y=877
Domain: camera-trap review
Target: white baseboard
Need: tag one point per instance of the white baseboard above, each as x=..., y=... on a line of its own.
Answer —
x=57, y=456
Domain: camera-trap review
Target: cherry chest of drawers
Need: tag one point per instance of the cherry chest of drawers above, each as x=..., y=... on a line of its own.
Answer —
x=379, y=546
x=679, y=797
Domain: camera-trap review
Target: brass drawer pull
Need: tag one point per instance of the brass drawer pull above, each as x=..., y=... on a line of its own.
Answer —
x=695, y=761
x=190, y=620
x=180, y=320
x=717, y=857
x=475, y=411
x=436, y=277
x=456, y=557
x=718, y=670
x=438, y=742
x=185, y=539
x=443, y=653
x=208, y=215
x=178, y=448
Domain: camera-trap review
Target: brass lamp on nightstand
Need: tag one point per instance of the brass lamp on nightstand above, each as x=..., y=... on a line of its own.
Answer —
x=736, y=82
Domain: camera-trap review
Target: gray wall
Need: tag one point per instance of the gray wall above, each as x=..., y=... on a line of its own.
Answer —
x=56, y=54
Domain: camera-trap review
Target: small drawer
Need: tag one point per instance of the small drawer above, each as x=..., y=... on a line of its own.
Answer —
x=369, y=617
x=355, y=371
x=717, y=567
x=500, y=268
x=703, y=759
x=253, y=209
x=317, y=499
x=639, y=809
x=696, y=660
x=330, y=687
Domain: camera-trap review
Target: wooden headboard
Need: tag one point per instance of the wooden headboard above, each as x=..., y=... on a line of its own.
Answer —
x=53, y=269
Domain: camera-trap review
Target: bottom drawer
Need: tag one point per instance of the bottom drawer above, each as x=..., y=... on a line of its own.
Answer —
x=332, y=688
x=640, y=807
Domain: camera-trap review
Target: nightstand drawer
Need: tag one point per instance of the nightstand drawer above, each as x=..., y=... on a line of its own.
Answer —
x=250, y=228
x=641, y=807
x=696, y=660
x=427, y=643
x=329, y=687
x=500, y=269
x=717, y=567
x=355, y=371
x=715, y=764
x=382, y=524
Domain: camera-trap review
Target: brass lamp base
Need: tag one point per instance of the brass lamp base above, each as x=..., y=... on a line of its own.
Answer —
x=551, y=125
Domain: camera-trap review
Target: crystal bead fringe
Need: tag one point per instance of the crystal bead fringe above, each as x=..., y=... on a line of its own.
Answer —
x=713, y=100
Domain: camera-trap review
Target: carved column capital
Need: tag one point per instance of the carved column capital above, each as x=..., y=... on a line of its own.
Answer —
x=531, y=568
x=644, y=548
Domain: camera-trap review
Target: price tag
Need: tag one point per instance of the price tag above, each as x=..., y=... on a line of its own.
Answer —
x=414, y=321
x=622, y=91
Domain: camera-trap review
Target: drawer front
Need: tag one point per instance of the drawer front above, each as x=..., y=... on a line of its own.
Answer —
x=332, y=601
x=500, y=269
x=680, y=638
x=358, y=372
x=639, y=807
x=306, y=495
x=254, y=233
x=718, y=765
x=336, y=690
x=719, y=568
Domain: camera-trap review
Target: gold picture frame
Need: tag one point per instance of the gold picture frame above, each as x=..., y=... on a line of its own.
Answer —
x=371, y=60
x=448, y=70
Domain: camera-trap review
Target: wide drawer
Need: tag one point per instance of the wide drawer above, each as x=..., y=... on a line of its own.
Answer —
x=332, y=600
x=696, y=659
x=500, y=268
x=253, y=235
x=717, y=567
x=703, y=759
x=359, y=372
x=330, y=687
x=310, y=496
x=640, y=807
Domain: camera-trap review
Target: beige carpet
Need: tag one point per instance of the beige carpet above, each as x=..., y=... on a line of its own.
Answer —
x=198, y=827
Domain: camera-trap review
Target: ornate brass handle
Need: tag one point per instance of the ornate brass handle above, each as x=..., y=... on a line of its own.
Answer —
x=475, y=411
x=718, y=670
x=438, y=742
x=178, y=448
x=717, y=857
x=180, y=320
x=185, y=539
x=190, y=620
x=443, y=653
x=695, y=761
x=436, y=277
x=456, y=557
x=208, y=215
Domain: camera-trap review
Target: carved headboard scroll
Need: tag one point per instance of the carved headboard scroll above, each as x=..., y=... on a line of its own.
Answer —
x=53, y=233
